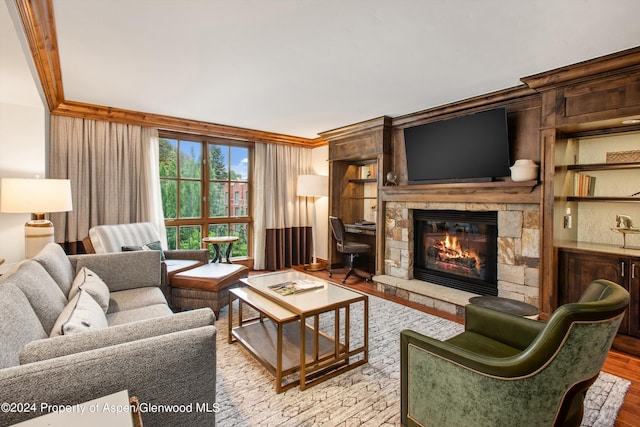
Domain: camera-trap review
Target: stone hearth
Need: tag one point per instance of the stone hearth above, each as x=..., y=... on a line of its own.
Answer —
x=518, y=255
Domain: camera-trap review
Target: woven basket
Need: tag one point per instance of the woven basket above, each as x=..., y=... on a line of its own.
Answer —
x=623, y=156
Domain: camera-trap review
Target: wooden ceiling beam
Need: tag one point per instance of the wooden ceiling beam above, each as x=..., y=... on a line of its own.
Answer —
x=119, y=115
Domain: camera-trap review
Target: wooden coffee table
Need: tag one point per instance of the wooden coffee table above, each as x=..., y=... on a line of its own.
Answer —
x=286, y=337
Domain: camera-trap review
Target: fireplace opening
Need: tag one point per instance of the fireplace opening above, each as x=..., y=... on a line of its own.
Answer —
x=457, y=249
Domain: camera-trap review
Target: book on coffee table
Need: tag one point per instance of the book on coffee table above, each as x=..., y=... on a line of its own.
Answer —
x=296, y=286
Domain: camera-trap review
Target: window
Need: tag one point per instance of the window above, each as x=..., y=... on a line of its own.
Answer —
x=198, y=176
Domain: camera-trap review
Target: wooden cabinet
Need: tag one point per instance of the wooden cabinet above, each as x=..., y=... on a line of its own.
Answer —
x=594, y=220
x=591, y=98
x=359, y=159
x=596, y=178
x=577, y=268
x=594, y=94
x=599, y=99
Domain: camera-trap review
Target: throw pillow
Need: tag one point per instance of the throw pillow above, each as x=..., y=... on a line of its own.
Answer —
x=82, y=314
x=93, y=284
x=153, y=246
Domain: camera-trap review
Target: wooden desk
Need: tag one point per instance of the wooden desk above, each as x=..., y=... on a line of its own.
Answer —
x=369, y=230
x=216, y=241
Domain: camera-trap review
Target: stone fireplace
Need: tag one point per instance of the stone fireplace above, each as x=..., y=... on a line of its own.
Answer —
x=516, y=261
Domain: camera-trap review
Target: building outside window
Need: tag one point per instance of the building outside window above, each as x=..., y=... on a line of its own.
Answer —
x=198, y=175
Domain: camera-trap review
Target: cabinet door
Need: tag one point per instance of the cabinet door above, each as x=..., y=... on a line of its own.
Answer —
x=600, y=99
x=578, y=270
x=634, y=290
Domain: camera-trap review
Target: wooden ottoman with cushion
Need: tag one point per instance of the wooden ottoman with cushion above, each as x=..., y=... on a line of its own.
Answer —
x=206, y=286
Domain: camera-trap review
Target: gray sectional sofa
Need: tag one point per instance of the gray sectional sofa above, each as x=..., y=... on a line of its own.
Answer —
x=60, y=350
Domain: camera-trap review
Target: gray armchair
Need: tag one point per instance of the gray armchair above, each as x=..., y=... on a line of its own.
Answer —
x=508, y=370
x=113, y=238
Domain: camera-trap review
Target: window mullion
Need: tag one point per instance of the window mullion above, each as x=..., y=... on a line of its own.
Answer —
x=204, y=176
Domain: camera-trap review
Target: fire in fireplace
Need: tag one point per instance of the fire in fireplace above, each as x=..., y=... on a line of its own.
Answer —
x=457, y=249
x=448, y=255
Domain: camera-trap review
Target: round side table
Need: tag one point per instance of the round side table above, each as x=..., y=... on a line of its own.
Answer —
x=216, y=241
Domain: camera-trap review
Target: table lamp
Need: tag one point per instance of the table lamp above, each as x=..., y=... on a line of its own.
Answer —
x=313, y=186
x=38, y=197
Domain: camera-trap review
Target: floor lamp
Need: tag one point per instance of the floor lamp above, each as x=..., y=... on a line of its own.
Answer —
x=38, y=197
x=313, y=186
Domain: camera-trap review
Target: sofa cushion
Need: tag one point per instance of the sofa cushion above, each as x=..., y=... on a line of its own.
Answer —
x=124, y=270
x=19, y=324
x=178, y=265
x=133, y=315
x=43, y=293
x=93, y=284
x=153, y=246
x=210, y=277
x=49, y=348
x=82, y=314
x=53, y=258
x=135, y=298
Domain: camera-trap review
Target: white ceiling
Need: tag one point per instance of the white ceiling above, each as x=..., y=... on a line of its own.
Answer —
x=300, y=67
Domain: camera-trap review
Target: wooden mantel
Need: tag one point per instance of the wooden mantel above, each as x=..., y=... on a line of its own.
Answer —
x=477, y=192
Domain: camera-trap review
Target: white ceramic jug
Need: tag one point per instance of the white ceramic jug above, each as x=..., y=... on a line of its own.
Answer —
x=524, y=170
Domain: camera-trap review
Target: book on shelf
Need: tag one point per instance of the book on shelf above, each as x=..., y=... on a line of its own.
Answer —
x=368, y=171
x=296, y=286
x=584, y=185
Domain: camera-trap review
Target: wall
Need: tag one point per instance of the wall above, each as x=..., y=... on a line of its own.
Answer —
x=23, y=124
x=320, y=165
x=22, y=148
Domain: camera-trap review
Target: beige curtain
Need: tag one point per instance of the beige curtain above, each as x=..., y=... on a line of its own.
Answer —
x=282, y=225
x=114, y=175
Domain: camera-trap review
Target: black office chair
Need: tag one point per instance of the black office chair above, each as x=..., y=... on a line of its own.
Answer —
x=350, y=249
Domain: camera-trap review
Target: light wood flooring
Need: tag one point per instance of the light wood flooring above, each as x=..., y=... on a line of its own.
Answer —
x=617, y=363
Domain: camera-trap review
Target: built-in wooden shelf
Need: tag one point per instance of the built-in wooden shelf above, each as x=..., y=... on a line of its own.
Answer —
x=602, y=199
x=600, y=166
x=364, y=180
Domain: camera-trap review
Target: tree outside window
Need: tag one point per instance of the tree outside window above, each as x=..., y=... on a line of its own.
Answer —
x=197, y=179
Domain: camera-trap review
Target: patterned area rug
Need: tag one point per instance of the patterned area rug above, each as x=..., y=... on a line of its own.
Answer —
x=368, y=395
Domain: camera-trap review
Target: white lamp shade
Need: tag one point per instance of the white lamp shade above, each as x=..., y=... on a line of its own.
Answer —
x=313, y=186
x=18, y=195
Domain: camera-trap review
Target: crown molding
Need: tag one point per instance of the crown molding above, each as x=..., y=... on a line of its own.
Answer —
x=162, y=122
x=40, y=30
x=613, y=63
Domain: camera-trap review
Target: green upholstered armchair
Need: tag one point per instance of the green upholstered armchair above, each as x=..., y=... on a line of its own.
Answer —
x=506, y=370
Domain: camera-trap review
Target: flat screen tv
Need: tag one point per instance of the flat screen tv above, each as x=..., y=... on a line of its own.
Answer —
x=470, y=148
